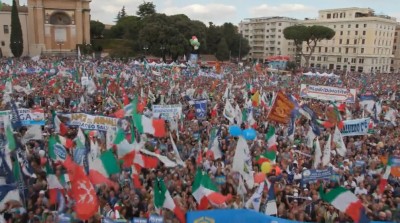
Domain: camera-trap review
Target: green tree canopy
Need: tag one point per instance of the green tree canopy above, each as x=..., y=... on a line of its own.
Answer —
x=96, y=29
x=16, y=40
x=311, y=35
x=146, y=9
x=222, y=50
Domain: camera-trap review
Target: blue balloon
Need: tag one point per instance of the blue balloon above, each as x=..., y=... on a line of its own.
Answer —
x=235, y=130
x=250, y=134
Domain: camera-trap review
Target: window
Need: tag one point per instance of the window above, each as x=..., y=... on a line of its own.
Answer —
x=279, y=43
x=326, y=49
x=347, y=50
x=353, y=60
x=346, y=60
x=356, y=32
x=340, y=41
x=279, y=24
x=361, y=60
x=312, y=58
x=347, y=41
x=328, y=16
x=396, y=33
x=339, y=59
x=363, y=41
x=338, y=67
x=362, y=50
x=333, y=49
x=340, y=49
x=355, y=41
x=279, y=30
x=341, y=33
x=354, y=50
x=3, y=43
x=356, y=25
x=6, y=30
x=365, y=25
x=349, y=26
x=341, y=26
x=318, y=58
x=348, y=33
x=325, y=58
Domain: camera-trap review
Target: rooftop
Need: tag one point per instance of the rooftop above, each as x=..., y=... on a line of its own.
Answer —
x=262, y=19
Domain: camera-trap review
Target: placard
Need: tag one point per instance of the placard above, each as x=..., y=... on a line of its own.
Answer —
x=328, y=93
x=167, y=112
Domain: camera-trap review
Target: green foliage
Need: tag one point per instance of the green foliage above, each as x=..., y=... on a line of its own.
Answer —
x=123, y=12
x=311, y=35
x=96, y=29
x=16, y=40
x=170, y=35
x=146, y=9
x=222, y=50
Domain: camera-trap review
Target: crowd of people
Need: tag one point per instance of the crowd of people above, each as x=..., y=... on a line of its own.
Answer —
x=57, y=86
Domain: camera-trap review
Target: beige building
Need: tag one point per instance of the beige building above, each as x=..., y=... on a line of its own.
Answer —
x=49, y=26
x=265, y=36
x=5, y=29
x=395, y=65
x=363, y=40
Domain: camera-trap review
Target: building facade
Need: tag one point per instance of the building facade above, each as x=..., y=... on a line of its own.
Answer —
x=265, y=36
x=395, y=65
x=5, y=29
x=363, y=41
x=48, y=26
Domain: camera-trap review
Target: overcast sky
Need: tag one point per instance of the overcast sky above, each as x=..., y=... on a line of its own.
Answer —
x=220, y=11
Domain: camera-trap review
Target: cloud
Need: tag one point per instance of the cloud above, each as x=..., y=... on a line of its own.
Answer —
x=217, y=13
x=292, y=10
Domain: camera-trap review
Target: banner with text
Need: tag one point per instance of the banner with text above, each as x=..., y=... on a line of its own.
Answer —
x=27, y=116
x=314, y=175
x=90, y=122
x=201, y=109
x=328, y=93
x=355, y=127
x=167, y=112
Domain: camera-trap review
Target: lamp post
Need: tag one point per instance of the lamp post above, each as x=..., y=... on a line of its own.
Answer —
x=145, y=48
x=60, y=44
x=162, y=48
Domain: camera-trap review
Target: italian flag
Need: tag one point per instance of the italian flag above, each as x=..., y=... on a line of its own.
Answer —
x=53, y=185
x=163, y=199
x=59, y=127
x=66, y=142
x=346, y=202
x=155, y=127
x=270, y=137
x=101, y=168
x=384, y=178
x=205, y=192
x=130, y=153
x=268, y=156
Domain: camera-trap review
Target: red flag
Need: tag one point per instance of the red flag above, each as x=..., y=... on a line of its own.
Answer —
x=83, y=193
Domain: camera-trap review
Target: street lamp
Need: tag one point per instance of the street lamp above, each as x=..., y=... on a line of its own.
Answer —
x=162, y=48
x=60, y=44
x=145, y=48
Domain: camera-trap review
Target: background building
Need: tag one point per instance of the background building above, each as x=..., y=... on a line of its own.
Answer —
x=266, y=38
x=363, y=40
x=5, y=29
x=48, y=26
x=395, y=66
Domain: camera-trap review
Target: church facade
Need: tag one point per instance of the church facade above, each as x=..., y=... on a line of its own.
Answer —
x=48, y=26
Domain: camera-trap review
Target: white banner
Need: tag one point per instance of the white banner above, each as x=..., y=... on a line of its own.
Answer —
x=328, y=93
x=355, y=127
x=27, y=116
x=90, y=122
x=167, y=112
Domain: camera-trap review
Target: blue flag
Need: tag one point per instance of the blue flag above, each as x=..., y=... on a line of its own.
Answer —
x=4, y=189
x=201, y=109
x=15, y=120
x=5, y=170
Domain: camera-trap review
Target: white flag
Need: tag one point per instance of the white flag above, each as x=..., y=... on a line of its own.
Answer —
x=339, y=144
x=317, y=154
x=255, y=200
x=326, y=159
x=242, y=162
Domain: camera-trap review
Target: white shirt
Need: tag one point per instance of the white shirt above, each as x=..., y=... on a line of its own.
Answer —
x=359, y=191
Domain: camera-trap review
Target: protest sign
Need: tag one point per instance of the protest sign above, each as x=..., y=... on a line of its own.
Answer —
x=314, y=175
x=328, y=93
x=355, y=127
x=167, y=112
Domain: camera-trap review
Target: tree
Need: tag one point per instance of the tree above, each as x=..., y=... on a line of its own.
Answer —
x=16, y=40
x=96, y=29
x=123, y=12
x=311, y=35
x=222, y=50
x=118, y=17
x=146, y=9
